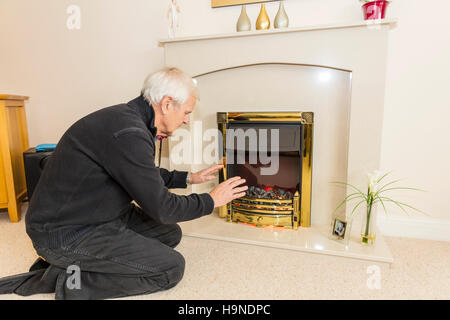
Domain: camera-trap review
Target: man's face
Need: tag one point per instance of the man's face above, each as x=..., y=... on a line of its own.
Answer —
x=176, y=115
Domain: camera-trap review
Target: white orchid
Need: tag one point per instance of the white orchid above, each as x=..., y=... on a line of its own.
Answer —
x=374, y=179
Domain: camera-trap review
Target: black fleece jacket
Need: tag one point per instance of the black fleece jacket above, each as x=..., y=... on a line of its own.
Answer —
x=102, y=163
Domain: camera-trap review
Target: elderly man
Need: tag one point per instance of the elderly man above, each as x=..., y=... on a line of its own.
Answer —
x=82, y=219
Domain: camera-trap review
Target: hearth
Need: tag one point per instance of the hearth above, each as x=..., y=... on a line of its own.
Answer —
x=273, y=152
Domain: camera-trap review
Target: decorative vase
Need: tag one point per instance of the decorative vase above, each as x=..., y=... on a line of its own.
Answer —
x=375, y=9
x=243, y=23
x=368, y=226
x=281, y=19
x=263, y=22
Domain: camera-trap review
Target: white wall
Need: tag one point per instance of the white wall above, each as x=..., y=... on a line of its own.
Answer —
x=68, y=74
x=416, y=141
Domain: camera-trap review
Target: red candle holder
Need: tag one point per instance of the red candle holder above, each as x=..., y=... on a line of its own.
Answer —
x=375, y=9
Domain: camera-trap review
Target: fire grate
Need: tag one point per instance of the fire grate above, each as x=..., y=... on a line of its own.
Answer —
x=266, y=204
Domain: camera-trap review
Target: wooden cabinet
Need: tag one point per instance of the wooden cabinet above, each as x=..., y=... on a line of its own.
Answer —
x=13, y=142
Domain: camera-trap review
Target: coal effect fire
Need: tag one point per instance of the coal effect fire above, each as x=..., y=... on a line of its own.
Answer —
x=272, y=193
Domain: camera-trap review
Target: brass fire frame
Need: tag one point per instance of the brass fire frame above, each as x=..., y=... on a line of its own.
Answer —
x=301, y=203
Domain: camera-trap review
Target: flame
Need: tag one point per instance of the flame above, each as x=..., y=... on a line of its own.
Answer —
x=273, y=227
x=249, y=224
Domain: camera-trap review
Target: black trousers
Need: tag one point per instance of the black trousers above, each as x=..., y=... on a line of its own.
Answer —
x=129, y=256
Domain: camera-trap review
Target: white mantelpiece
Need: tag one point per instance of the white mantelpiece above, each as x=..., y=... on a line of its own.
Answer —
x=369, y=23
x=356, y=49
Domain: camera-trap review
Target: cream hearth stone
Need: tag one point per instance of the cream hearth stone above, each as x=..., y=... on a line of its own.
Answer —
x=335, y=71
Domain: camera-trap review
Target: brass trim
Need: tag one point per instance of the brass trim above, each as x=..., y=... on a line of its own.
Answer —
x=305, y=200
x=302, y=117
x=296, y=220
x=222, y=117
x=278, y=201
x=261, y=221
x=223, y=211
x=262, y=206
x=269, y=212
x=229, y=212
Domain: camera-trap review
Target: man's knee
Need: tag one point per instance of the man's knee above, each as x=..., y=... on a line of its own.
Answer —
x=176, y=235
x=171, y=235
x=176, y=272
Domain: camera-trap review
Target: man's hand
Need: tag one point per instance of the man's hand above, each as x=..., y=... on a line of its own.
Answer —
x=227, y=191
x=205, y=174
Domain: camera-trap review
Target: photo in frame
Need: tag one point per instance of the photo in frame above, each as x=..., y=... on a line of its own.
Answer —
x=339, y=228
x=226, y=3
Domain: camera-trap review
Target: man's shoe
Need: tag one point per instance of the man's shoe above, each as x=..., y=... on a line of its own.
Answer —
x=11, y=283
x=33, y=282
x=39, y=264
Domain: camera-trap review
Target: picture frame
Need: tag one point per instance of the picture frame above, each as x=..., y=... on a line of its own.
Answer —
x=227, y=3
x=339, y=228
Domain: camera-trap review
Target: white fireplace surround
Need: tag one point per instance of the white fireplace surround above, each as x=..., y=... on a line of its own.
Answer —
x=359, y=49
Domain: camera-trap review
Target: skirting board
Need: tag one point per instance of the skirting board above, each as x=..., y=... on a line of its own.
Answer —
x=408, y=227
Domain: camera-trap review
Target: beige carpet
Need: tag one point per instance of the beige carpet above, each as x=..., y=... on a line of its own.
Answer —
x=223, y=270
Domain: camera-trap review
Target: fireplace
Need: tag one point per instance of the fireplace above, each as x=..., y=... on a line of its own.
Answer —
x=323, y=67
x=273, y=152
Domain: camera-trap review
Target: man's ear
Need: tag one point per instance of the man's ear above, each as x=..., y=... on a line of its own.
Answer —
x=165, y=104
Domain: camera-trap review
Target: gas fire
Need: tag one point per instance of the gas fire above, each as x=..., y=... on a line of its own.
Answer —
x=270, y=192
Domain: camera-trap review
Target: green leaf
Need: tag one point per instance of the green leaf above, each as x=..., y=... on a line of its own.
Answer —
x=379, y=180
x=350, y=185
x=347, y=199
x=404, y=204
x=354, y=209
x=402, y=188
x=403, y=209
x=382, y=203
x=387, y=184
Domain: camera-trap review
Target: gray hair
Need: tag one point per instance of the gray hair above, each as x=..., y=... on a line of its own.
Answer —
x=169, y=82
